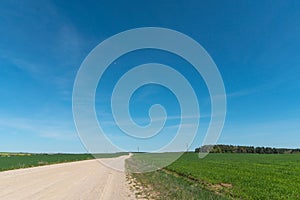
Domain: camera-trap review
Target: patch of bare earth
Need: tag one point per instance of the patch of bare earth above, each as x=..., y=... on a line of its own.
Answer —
x=141, y=192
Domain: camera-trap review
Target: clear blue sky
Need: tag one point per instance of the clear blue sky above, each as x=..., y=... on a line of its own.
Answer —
x=255, y=44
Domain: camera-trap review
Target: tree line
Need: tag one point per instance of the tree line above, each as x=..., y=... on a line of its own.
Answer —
x=221, y=148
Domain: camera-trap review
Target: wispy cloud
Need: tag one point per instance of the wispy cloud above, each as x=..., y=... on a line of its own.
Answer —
x=128, y=122
x=41, y=128
x=279, y=133
x=241, y=93
x=56, y=43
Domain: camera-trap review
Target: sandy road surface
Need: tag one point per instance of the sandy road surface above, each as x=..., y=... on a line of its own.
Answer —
x=84, y=180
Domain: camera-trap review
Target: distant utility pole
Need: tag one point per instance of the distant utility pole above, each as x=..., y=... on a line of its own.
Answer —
x=138, y=149
x=187, y=147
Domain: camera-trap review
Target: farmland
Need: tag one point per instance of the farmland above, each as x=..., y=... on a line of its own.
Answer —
x=232, y=176
x=9, y=161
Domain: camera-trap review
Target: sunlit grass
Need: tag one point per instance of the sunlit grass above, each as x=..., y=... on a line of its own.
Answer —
x=237, y=176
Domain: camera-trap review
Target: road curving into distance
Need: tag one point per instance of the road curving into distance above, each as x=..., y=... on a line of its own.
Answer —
x=84, y=180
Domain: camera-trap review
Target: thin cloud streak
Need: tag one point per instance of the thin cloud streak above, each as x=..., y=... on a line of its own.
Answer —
x=42, y=128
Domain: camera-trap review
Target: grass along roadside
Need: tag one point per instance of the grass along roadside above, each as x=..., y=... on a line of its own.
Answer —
x=234, y=176
x=10, y=161
x=162, y=185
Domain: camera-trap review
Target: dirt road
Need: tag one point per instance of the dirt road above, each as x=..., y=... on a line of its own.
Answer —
x=84, y=180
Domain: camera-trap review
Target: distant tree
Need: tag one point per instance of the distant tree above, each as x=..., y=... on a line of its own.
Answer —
x=221, y=148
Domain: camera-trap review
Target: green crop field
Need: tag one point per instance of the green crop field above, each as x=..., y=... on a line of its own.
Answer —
x=9, y=161
x=233, y=176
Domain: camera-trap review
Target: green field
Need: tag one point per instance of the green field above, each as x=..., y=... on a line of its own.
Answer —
x=9, y=161
x=234, y=176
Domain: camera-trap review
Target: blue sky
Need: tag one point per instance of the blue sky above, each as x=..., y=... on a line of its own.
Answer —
x=255, y=44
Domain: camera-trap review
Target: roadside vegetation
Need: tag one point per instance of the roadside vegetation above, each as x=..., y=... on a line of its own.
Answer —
x=162, y=184
x=10, y=161
x=225, y=175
